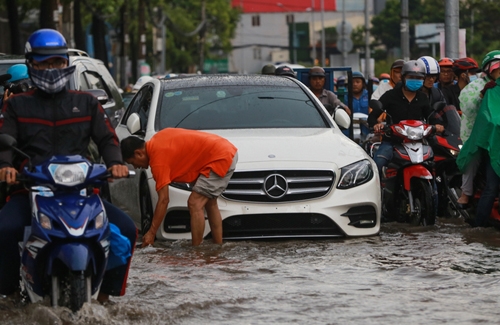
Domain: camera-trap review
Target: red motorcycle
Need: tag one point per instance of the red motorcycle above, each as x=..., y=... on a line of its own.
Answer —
x=407, y=181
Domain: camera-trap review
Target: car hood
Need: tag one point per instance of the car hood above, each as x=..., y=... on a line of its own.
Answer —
x=292, y=148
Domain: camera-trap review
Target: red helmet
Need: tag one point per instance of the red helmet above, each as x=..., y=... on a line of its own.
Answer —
x=445, y=62
x=465, y=64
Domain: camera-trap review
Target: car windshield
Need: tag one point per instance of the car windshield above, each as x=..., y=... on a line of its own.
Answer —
x=239, y=107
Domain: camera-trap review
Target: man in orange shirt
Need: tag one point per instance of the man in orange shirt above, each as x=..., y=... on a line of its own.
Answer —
x=179, y=155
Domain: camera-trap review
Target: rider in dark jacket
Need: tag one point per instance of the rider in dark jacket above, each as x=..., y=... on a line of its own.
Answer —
x=54, y=121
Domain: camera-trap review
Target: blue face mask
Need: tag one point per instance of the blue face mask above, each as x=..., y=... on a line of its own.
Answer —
x=414, y=84
x=472, y=78
x=375, y=87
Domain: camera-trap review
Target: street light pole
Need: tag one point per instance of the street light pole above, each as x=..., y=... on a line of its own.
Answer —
x=294, y=31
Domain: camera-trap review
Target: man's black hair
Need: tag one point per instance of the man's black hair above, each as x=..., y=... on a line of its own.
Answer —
x=129, y=145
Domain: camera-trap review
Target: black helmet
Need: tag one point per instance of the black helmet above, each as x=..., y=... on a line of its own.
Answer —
x=285, y=71
x=268, y=69
x=317, y=72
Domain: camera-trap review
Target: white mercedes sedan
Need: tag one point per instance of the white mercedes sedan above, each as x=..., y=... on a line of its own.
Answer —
x=297, y=175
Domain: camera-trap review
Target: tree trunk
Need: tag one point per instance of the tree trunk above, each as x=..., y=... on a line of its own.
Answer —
x=98, y=32
x=47, y=8
x=15, y=37
x=79, y=34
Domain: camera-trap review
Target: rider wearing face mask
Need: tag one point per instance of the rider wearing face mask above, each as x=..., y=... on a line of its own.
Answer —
x=465, y=70
x=48, y=121
x=404, y=102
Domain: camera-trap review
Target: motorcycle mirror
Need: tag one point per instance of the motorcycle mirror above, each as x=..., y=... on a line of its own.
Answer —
x=436, y=107
x=377, y=105
x=9, y=142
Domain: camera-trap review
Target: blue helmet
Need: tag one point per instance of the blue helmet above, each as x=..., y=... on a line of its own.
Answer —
x=18, y=72
x=45, y=44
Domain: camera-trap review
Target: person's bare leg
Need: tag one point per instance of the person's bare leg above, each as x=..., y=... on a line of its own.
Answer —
x=215, y=220
x=196, y=204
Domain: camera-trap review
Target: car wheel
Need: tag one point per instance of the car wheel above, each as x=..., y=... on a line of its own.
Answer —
x=146, y=206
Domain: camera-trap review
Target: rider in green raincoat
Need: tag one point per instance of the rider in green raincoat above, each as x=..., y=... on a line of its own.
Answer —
x=484, y=139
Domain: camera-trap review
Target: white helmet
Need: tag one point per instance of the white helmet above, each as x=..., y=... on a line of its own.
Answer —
x=431, y=65
x=141, y=81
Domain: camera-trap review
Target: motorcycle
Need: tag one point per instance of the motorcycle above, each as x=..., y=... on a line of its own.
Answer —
x=446, y=148
x=407, y=182
x=65, y=251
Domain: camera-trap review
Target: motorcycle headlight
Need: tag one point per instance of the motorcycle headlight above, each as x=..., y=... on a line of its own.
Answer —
x=415, y=133
x=355, y=174
x=69, y=174
x=45, y=221
x=100, y=220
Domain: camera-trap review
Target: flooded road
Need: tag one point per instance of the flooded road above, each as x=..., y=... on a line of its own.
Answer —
x=448, y=273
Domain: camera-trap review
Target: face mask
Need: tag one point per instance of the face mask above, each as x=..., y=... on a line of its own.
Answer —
x=51, y=81
x=472, y=78
x=375, y=87
x=414, y=84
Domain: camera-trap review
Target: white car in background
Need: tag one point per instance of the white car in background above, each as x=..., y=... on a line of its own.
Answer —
x=297, y=175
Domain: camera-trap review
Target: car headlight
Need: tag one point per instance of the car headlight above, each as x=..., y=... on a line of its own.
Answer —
x=69, y=174
x=45, y=221
x=355, y=174
x=100, y=220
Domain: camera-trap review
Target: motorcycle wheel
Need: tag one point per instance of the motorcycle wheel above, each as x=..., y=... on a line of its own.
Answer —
x=70, y=290
x=423, y=203
x=146, y=207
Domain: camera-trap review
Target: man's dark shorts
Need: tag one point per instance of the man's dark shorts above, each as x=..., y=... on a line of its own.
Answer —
x=213, y=186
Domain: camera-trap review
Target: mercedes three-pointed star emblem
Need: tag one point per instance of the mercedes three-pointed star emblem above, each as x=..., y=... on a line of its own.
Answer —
x=275, y=186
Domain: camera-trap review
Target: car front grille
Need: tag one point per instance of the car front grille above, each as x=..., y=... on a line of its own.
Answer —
x=279, y=185
x=280, y=225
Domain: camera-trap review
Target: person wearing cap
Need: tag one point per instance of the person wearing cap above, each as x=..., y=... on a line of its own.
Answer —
x=140, y=82
x=268, y=69
x=384, y=77
x=317, y=80
x=48, y=121
x=284, y=70
x=470, y=101
x=484, y=139
x=446, y=76
x=375, y=83
x=19, y=81
x=359, y=100
x=465, y=70
x=395, y=77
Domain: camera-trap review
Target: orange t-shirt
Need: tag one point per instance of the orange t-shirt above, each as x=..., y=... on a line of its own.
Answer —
x=180, y=155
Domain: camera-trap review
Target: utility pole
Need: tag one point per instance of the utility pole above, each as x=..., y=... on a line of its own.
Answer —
x=451, y=27
x=323, y=43
x=313, y=38
x=294, y=31
x=405, y=31
x=367, y=41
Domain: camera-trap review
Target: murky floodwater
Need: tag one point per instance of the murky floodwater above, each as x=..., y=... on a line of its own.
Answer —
x=448, y=273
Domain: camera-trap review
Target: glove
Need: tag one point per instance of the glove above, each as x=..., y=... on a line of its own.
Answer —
x=488, y=85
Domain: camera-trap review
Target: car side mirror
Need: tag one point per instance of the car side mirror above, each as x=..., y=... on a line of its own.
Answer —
x=134, y=123
x=100, y=94
x=342, y=118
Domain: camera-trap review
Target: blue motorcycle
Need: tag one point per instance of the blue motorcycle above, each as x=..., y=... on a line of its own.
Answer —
x=66, y=249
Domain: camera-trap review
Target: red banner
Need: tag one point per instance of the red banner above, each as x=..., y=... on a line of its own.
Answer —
x=263, y=6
